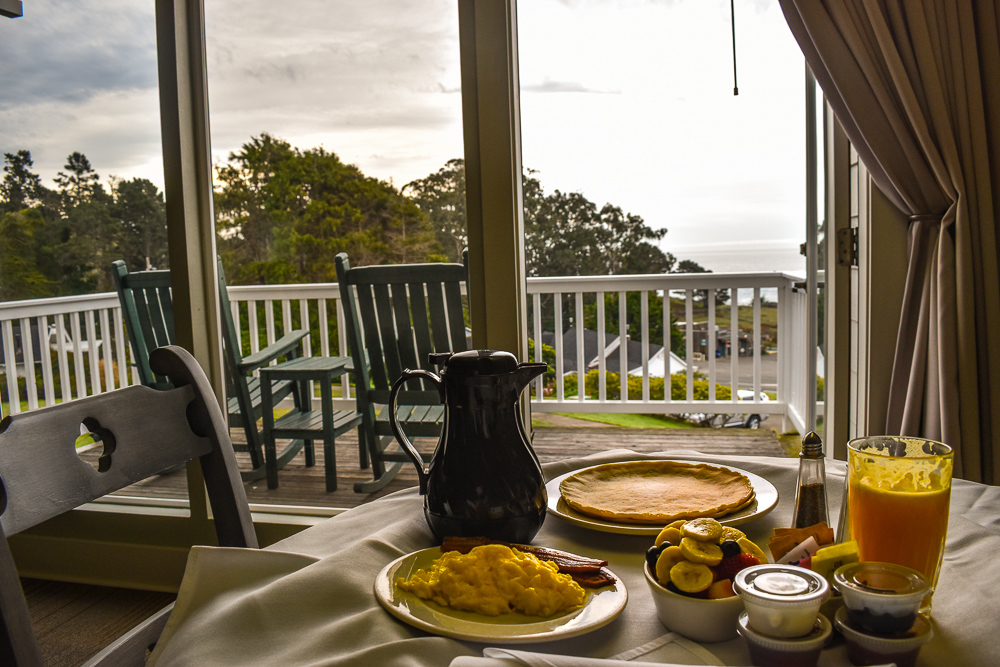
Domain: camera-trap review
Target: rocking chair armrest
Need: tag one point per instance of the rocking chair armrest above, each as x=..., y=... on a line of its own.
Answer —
x=278, y=348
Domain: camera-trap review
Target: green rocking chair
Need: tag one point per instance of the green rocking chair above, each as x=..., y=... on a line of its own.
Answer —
x=395, y=316
x=147, y=308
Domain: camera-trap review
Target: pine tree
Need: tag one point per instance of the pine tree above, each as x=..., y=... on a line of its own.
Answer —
x=20, y=188
x=140, y=215
x=20, y=277
x=77, y=184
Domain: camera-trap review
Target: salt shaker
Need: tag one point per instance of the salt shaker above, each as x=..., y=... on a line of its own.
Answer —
x=810, y=491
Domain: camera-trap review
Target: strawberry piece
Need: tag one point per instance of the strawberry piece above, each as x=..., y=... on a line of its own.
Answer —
x=728, y=568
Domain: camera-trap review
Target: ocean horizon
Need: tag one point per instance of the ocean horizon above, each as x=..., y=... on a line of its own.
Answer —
x=743, y=256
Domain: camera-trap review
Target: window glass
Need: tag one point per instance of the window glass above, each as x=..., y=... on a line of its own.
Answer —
x=631, y=104
x=81, y=186
x=642, y=160
x=332, y=125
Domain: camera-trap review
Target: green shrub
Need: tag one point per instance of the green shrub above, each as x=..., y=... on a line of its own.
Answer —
x=678, y=387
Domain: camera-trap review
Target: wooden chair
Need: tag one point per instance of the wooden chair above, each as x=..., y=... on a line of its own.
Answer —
x=395, y=317
x=147, y=308
x=42, y=476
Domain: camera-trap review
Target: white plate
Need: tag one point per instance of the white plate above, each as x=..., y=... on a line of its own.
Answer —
x=600, y=608
x=765, y=498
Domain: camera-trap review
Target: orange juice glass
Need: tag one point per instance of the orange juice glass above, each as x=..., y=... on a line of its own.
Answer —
x=898, y=493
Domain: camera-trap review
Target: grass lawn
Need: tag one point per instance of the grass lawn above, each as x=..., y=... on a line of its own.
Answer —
x=5, y=406
x=768, y=315
x=628, y=420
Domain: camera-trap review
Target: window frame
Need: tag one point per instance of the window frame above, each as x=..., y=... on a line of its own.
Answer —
x=145, y=547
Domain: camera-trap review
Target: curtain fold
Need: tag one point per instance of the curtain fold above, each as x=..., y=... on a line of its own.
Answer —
x=916, y=86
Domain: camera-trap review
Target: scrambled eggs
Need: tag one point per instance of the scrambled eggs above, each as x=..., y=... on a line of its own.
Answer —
x=494, y=579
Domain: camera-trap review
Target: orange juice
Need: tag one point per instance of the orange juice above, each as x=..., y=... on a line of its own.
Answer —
x=898, y=493
x=905, y=528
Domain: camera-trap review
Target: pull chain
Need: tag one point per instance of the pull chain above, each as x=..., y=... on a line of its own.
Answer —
x=732, y=9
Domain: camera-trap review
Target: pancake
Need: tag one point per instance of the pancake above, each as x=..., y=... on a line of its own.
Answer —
x=656, y=492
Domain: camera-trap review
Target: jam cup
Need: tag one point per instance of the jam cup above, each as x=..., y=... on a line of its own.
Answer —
x=865, y=648
x=781, y=600
x=882, y=598
x=785, y=652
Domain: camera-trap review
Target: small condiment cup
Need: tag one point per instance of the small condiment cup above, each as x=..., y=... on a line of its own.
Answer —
x=785, y=652
x=881, y=597
x=869, y=649
x=781, y=600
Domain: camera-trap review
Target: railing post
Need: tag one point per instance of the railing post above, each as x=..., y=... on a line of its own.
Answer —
x=784, y=329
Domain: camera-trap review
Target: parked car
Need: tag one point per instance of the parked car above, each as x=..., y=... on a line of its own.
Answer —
x=742, y=420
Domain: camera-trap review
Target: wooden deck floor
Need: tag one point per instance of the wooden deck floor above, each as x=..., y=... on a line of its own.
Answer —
x=302, y=486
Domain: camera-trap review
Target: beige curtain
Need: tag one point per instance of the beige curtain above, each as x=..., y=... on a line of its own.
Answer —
x=916, y=86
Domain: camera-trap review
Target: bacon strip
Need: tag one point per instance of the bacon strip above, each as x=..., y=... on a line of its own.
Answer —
x=602, y=577
x=463, y=545
x=588, y=572
x=571, y=562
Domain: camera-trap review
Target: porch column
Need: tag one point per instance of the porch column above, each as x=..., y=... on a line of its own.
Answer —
x=492, y=128
x=187, y=177
x=187, y=180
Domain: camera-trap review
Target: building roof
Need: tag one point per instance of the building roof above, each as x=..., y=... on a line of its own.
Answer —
x=591, y=348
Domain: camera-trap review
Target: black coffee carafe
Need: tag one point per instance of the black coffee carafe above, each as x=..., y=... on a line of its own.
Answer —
x=484, y=478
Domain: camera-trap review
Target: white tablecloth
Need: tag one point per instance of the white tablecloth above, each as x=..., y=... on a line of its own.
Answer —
x=311, y=601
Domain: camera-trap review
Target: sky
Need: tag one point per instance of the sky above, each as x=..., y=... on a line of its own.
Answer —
x=629, y=102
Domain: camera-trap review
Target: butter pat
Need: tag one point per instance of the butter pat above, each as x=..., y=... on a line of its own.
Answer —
x=826, y=560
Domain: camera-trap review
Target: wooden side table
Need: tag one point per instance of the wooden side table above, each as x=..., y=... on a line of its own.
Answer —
x=307, y=424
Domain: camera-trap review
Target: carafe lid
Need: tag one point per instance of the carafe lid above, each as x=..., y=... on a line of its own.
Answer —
x=473, y=363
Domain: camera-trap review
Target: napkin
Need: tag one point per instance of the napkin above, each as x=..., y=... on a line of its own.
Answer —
x=668, y=650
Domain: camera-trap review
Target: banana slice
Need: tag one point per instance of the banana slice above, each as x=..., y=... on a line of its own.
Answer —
x=701, y=552
x=668, y=535
x=751, y=548
x=706, y=530
x=668, y=558
x=730, y=533
x=691, y=577
x=677, y=524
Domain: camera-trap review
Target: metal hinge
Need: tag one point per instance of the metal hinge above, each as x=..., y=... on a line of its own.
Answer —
x=847, y=246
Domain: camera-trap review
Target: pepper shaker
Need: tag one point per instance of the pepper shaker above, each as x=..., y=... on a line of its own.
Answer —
x=810, y=491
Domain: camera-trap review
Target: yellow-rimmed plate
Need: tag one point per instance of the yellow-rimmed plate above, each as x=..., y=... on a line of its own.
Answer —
x=765, y=499
x=602, y=606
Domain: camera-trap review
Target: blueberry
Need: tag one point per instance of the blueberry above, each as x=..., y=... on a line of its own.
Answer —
x=730, y=548
x=651, y=555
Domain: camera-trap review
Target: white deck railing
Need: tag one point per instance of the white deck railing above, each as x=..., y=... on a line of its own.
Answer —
x=88, y=352
x=583, y=298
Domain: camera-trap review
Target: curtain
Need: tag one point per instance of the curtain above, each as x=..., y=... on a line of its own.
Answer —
x=916, y=86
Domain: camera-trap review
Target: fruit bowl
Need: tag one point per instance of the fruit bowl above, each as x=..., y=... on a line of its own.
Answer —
x=701, y=620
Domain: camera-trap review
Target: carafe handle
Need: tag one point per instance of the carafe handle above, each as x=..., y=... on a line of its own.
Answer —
x=422, y=469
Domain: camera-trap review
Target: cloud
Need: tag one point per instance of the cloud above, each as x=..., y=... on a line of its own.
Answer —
x=82, y=75
x=758, y=5
x=549, y=86
x=70, y=50
x=117, y=130
x=575, y=4
x=647, y=120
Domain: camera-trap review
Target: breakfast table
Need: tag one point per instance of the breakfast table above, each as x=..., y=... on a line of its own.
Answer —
x=309, y=600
